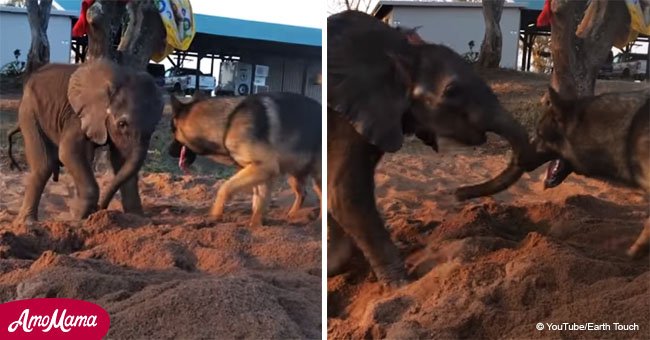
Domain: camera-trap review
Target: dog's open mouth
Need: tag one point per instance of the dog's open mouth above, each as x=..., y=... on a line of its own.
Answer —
x=556, y=173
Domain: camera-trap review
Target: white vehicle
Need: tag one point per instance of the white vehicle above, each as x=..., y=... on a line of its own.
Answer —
x=630, y=66
x=184, y=80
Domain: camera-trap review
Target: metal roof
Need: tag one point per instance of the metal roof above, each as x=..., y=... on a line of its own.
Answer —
x=531, y=4
x=239, y=28
x=248, y=29
x=53, y=12
x=383, y=4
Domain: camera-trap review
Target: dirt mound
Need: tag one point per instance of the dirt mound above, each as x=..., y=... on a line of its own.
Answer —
x=171, y=273
x=495, y=267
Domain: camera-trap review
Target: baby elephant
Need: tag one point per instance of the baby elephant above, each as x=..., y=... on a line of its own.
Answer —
x=605, y=136
x=266, y=135
x=69, y=110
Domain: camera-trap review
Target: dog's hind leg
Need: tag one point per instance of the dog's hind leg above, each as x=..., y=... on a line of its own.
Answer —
x=297, y=185
x=642, y=244
x=245, y=179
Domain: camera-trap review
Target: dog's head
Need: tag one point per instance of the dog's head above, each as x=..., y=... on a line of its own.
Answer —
x=180, y=111
x=559, y=119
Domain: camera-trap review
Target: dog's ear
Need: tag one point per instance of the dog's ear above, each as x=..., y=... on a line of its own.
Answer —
x=177, y=106
x=557, y=101
x=561, y=108
x=198, y=95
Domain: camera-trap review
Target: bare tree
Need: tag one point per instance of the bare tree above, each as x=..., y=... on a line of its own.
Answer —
x=140, y=26
x=335, y=6
x=576, y=60
x=490, y=54
x=38, y=14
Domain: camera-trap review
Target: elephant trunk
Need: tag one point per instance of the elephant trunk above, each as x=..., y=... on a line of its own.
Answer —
x=129, y=169
x=524, y=158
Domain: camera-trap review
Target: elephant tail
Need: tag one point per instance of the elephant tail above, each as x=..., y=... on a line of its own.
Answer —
x=14, y=164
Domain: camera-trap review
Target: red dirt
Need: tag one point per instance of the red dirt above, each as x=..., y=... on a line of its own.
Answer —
x=172, y=273
x=494, y=267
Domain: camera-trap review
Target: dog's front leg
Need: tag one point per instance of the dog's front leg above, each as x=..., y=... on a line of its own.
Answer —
x=261, y=198
x=245, y=179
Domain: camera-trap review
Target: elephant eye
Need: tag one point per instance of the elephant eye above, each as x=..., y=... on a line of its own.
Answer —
x=122, y=124
x=452, y=90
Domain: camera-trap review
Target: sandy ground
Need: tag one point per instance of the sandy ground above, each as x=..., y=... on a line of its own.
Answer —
x=494, y=267
x=172, y=273
x=487, y=268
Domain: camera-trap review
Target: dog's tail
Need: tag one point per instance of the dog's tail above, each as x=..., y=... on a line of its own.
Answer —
x=14, y=164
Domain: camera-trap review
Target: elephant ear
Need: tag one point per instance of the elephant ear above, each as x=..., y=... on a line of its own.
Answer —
x=90, y=91
x=369, y=71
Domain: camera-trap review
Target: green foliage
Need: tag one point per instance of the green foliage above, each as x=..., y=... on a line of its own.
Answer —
x=471, y=56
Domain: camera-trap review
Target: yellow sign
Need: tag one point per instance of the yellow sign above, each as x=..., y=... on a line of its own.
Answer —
x=178, y=19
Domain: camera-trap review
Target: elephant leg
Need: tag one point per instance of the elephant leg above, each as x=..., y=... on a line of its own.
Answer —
x=359, y=218
x=351, y=199
x=41, y=158
x=74, y=153
x=297, y=185
x=261, y=198
x=246, y=178
x=131, y=201
x=339, y=247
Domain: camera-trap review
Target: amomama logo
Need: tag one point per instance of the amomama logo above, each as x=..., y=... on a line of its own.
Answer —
x=53, y=319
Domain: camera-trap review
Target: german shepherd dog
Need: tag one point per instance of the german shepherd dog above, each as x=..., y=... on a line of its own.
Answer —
x=605, y=136
x=265, y=135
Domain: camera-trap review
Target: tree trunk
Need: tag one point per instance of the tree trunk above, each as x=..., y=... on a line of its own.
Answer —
x=38, y=15
x=139, y=35
x=490, y=54
x=576, y=61
x=104, y=25
x=144, y=35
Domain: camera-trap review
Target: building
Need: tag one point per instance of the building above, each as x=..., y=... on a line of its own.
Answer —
x=454, y=24
x=15, y=34
x=289, y=55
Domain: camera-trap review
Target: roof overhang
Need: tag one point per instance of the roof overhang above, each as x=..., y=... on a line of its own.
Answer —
x=238, y=28
x=11, y=9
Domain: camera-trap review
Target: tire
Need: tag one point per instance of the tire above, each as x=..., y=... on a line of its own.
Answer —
x=242, y=89
x=626, y=74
